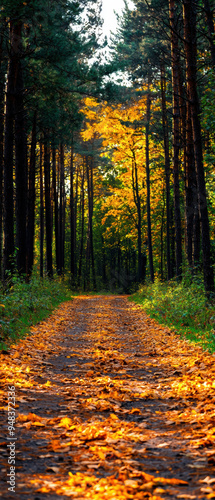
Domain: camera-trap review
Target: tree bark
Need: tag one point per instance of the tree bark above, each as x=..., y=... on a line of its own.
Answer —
x=48, y=214
x=8, y=223
x=55, y=197
x=139, y=218
x=189, y=15
x=82, y=227
x=175, y=56
x=31, y=199
x=72, y=219
x=61, y=210
x=2, y=83
x=190, y=186
x=41, y=209
x=151, y=265
x=20, y=153
x=89, y=169
x=167, y=170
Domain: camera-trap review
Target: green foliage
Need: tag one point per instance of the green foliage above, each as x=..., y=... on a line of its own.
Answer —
x=26, y=304
x=183, y=307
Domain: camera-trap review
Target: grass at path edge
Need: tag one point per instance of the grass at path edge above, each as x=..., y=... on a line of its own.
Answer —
x=26, y=304
x=182, y=307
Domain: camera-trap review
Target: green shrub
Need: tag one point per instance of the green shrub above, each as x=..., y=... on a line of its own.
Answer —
x=183, y=307
x=24, y=304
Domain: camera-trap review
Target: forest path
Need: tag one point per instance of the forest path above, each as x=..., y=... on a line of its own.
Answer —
x=109, y=405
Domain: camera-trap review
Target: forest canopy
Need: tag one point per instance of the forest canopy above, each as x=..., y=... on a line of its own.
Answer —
x=107, y=156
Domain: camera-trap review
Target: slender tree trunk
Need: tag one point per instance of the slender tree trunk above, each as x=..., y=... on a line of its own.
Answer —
x=2, y=83
x=189, y=14
x=75, y=217
x=55, y=196
x=72, y=218
x=175, y=56
x=162, y=231
x=172, y=239
x=9, y=247
x=151, y=265
x=139, y=219
x=20, y=154
x=104, y=275
x=89, y=169
x=196, y=235
x=48, y=214
x=41, y=209
x=82, y=227
x=87, y=261
x=61, y=211
x=31, y=199
x=190, y=188
x=91, y=223
x=2, y=95
x=167, y=170
x=119, y=277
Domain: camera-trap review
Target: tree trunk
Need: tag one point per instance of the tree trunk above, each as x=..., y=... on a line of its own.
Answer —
x=175, y=56
x=167, y=170
x=20, y=154
x=55, y=196
x=162, y=231
x=72, y=218
x=189, y=15
x=2, y=83
x=61, y=210
x=151, y=266
x=104, y=275
x=82, y=227
x=89, y=169
x=139, y=219
x=190, y=188
x=31, y=200
x=48, y=214
x=41, y=209
x=9, y=247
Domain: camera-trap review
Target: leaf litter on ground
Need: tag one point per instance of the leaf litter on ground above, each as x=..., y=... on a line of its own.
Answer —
x=109, y=405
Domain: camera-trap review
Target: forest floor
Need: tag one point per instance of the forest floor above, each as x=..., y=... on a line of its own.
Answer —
x=109, y=405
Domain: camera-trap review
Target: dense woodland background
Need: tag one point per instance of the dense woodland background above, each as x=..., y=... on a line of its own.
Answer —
x=107, y=156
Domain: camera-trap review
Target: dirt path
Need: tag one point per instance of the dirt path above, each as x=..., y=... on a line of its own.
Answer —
x=109, y=405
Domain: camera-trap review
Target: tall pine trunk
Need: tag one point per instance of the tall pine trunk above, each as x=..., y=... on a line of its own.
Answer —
x=8, y=222
x=41, y=209
x=61, y=211
x=189, y=15
x=1, y=160
x=48, y=212
x=89, y=169
x=72, y=218
x=151, y=265
x=137, y=202
x=175, y=56
x=190, y=186
x=20, y=153
x=55, y=199
x=82, y=203
x=167, y=170
x=31, y=199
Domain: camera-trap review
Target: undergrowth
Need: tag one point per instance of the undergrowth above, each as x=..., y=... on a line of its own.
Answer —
x=25, y=304
x=183, y=307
